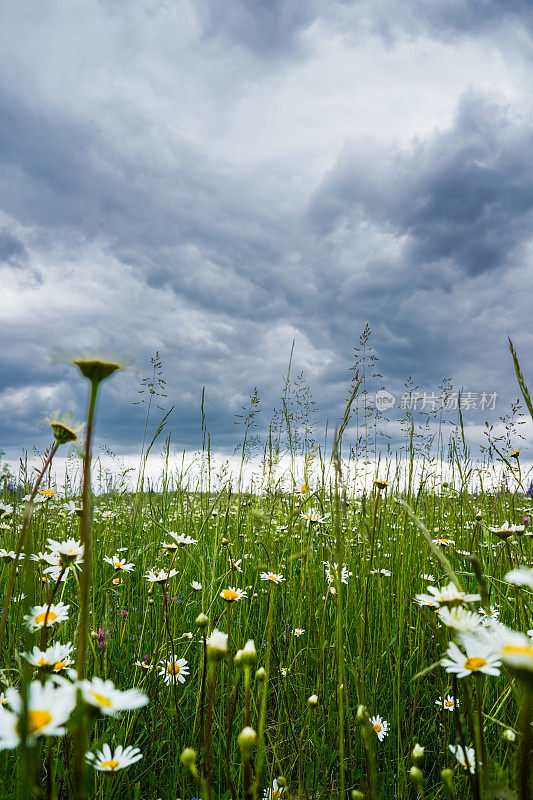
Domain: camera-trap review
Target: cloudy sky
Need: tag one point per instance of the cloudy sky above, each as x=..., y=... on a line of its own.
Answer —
x=213, y=180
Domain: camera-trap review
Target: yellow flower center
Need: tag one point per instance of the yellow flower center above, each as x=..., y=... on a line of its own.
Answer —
x=173, y=669
x=40, y=618
x=518, y=650
x=116, y=580
x=475, y=663
x=111, y=764
x=101, y=699
x=377, y=727
x=448, y=703
x=59, y=665
x=37, y=720
x=229, y=594
x=47, y=493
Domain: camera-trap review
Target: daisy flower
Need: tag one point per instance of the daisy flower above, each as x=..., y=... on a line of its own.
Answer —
x=196, y=586
x=459, y=618
x=108, y=700
x=312, y=517
x=332, y=572
x=119, y=563
x=105, y=761
x=49, y=708
x=480, y=657
x=56, y=613
x=160, y=576
x=232, y=594
x=272, y=577
x=380, y=726
x=298, y=632
x=447, y=596
x=521, y=577
x=448, y=702
x=180, y=538
x=174, y=670
x=64, y=555
x=468, y=760
x=275, y=791
x=54, y=658
x=9, y=555
x=506, y=530
x=514, y=649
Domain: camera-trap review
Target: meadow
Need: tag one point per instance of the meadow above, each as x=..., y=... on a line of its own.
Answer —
x=294, y=639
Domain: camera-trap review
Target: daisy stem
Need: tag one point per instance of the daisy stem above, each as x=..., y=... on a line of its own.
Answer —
x=44, y=631
x=81, y=737
x=525, y=758
x=20, y=544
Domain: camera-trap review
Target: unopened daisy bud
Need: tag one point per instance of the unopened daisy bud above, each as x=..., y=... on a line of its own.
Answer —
x=447, y=777
x=224, y=542
x=416, y=775
x=150, y=601
x=312, y=701
x=94, y=635
x=509, y=736
x=362, y=714
x=281, y=781
x=188, y=757
x=418, y=754
x=249, y=655
x=418, y=779
x=260, y=675
x=355, y=794
x=247, y=739
x=217, y=645
x=201, y=621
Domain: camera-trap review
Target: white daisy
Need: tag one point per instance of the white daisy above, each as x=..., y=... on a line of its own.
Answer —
x=480, y=657
x=521, y=577
x=468, y=760
x=448, y=703
x=109, y=700
x=273, y=577
x=119, y=563
x=54, y=615
x=446, y=596
x=160, y=576
x=106, y=761
x=232, y=594
x=459, y=618
x=380, y=726
x=55, y=658
x=174, y=670
x=49, y=708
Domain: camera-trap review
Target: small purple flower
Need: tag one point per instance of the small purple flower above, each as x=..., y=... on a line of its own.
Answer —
x=101, y=637
x=124, y=613
x=526, y=520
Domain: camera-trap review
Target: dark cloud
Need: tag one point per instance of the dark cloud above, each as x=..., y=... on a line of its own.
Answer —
x=122, y=231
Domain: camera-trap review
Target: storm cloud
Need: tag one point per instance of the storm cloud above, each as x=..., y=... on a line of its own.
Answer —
x=216, y=185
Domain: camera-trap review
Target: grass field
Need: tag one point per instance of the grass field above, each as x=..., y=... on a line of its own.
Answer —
x=343, y=680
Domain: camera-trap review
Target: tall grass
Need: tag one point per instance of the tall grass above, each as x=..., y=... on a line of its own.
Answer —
x=366, y=649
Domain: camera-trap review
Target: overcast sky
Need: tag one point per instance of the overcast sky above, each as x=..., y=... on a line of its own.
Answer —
x=214, y=180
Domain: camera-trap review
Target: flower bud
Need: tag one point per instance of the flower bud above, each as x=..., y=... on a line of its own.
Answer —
x=201, y=621
x=509, y=736
x=247, y=740
x=418, y=754
x=188, y=757
x=312, y=701
x=260, y=675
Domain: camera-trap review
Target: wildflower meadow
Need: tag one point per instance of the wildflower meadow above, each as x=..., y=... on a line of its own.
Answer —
x=294, y=636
